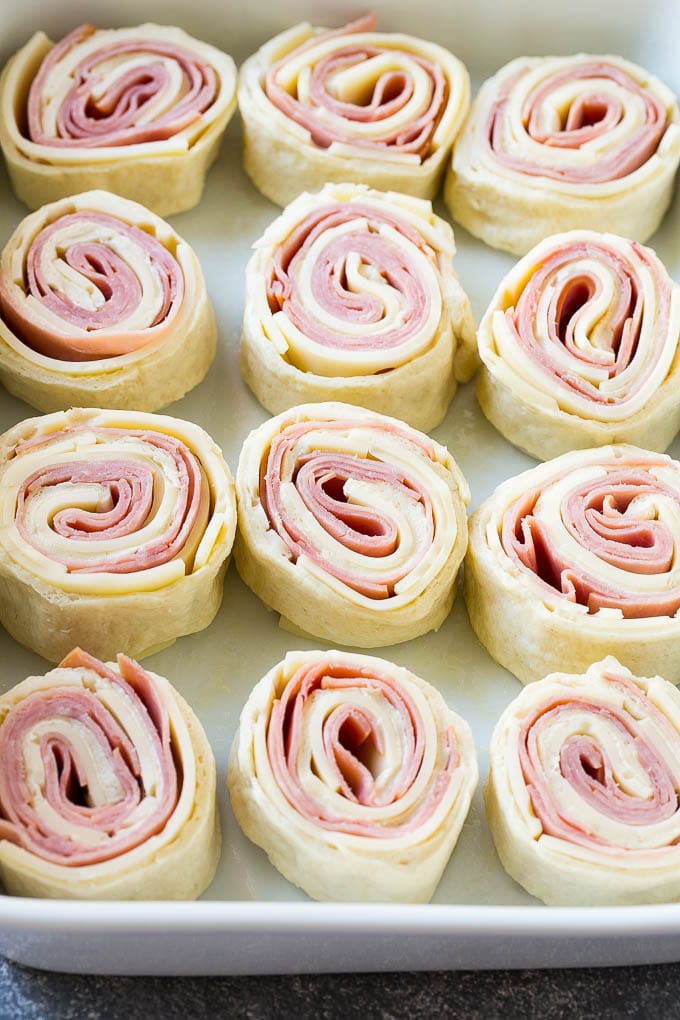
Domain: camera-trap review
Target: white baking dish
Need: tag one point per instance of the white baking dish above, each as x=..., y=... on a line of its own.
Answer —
x=251, y=920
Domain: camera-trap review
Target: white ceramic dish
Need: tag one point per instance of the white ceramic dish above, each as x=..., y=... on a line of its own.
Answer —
x=251, y=920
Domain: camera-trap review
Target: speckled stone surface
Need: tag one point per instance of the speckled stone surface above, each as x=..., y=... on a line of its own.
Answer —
x=639, y=992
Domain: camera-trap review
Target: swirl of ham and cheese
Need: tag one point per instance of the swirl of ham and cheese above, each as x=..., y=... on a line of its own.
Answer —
x=555, y=143
x=351, y=524
x=352, y=104
x=101, y=99
x=101, y=299
x=78, y=298
x=580, y=347
x=107, y=786
x=351, y=295
x=576, y=557
x=584, y=779
x=115, y=88
x=353, y=775
x=134, y=513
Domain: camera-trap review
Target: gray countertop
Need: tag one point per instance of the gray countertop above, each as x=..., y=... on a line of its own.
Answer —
x=642, y=992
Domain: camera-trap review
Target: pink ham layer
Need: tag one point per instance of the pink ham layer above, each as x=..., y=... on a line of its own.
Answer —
x=319, y=477
x=118, y=284
x=113, y=119
x=65, y=778
x=391, y=93
x=591, y=116
x=348, y=733
x=570, y=301
x=600, y=515
x=586, y=767
x=328, y=281
x=131, y=488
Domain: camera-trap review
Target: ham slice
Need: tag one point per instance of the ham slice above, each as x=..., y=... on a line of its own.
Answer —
x=541, y=332
x=132, y=492
x=118, y=114
x=604, y=517
x=593, y=115
x=329, y=119
x=585, y=765
x=35, y=307
x=345, y=731
x=328, y=284
x=320, y=477
x=120, y=823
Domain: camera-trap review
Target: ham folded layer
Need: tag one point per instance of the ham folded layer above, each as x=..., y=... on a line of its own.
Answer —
x=86, y=768
x=615, y=518
x=595, y=120
x=379, y=256
x=586, y=765
x=553, y=316
x=389, y=75
x=80, y=295
x=129, y=493
x=122, y=93
x=349, y=735
x=319, y=476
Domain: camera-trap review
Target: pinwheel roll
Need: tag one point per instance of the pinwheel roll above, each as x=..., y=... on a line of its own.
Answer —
x=107, y=786
x=353, y=775
x=115, y=528
x=560, y=143
x=351, y=524
x=351, y=295
x=580, y=347
x=102, y=304
x=351, y=104
x=137, y=111
x=582, y=795
x=577, y=558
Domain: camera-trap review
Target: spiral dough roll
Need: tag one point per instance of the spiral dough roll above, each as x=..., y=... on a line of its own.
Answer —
x=102, y=304
x=578, y=558
x=561, y=143
x=582, y=796
x=580, y=347
x=351, y=524
x=351, y=295
x=354, y=776
x=107, y=786
x=115, y=528
x=136, y=111
x=351, y=104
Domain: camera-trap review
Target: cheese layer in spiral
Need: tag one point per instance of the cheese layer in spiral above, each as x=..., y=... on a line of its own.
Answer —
x=351, y=524
x=584, y=784
x=579, y=558
x=114, y=526
x=350, y=104
x=102, y=304
x=136, y=111
x=351, y=295
x=580, y=347
x=107, y=786
x=560, y=143
x=354, y=776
